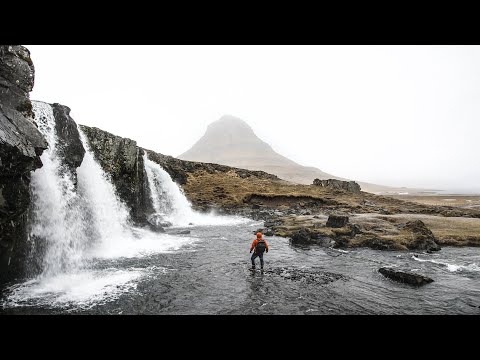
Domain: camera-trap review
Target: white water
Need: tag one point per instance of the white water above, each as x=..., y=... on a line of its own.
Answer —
x=451, y=267
x=81, y=289
x=57, y=215
x=171, y=204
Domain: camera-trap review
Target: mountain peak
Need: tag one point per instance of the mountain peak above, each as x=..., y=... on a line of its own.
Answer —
x=231, y=141
x=231, y=127
x=230, y=119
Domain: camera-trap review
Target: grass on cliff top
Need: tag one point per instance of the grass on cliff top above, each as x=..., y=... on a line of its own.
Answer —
x=230, y=189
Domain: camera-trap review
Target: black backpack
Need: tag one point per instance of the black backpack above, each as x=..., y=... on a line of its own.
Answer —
x=261, y=246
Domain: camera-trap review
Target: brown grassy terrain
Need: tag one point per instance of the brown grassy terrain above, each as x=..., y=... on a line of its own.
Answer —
x=443, y=200
x=228, y=189
x=388, y=229
x=379, y=219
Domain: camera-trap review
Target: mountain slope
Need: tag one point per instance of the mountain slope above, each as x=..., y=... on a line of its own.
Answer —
x=231, y=141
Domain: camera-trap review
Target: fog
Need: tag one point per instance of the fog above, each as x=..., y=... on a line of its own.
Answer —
x=392, y=115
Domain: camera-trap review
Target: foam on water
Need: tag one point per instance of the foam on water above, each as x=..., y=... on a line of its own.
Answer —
x=79, y=289
x=450, y=267
x=142, y=243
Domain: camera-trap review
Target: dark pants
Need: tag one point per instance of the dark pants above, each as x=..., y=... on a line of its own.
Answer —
x=254, y=256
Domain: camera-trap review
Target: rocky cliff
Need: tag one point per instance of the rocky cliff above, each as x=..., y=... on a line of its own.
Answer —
x=351, y=186
x=69, y=148
x=122, y=160
x=21, y=145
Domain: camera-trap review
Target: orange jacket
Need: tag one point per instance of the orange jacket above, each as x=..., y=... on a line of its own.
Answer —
x=254, y=243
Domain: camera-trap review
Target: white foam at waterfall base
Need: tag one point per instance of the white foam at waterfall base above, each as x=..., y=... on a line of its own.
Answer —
x=79, y=289
x=116, y=237
x=171, y=204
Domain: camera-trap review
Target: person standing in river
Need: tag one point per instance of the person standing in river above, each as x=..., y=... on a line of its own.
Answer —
x=259, y=246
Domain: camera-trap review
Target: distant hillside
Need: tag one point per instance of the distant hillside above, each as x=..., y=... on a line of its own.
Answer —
x=231, y=141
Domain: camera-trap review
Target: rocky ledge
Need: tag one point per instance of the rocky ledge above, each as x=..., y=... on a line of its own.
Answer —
x=351, y=186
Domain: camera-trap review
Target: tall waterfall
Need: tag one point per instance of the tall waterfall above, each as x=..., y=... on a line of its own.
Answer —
x=110, y=221
x=58, y=218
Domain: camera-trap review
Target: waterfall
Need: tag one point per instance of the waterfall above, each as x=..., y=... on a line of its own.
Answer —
x=110, y=221
x=57, y=217
x=171, y=205
x=168, y=200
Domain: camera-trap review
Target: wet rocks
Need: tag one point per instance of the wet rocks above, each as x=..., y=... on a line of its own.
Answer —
x=303, y=236
x=158, y=220
x=183, y=232
x=306, y=275
x=423, y=238
x=69, y=146
x=307, y=237
x=350, y=186
x=337, y=221
x=17, y=76
x=21, y=145
x=405, y=276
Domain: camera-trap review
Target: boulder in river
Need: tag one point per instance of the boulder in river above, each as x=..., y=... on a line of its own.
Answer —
x=423, y=238
x=337, y=221
x=405, y=276
x=306, y=237
x=302, y=236
x=183, y=232
x=158, y=221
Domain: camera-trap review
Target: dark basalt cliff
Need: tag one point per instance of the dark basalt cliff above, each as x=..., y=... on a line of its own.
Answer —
x=69, y=147
x=21, y=145
x=122, y=160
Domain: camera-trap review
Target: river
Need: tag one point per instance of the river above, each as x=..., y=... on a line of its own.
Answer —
x=208, y=273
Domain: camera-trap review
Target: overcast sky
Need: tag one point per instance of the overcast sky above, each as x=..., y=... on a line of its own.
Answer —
x=392, y=115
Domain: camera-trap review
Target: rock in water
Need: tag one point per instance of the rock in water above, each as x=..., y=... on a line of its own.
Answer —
x=405, y=276
x=337, y=221
x=306, y=237
x=423, y=238
x=183, y=232
x=159, y=221
x=301, y=237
